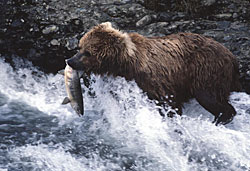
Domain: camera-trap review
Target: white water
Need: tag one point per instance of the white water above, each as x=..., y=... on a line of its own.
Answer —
x=121, y=130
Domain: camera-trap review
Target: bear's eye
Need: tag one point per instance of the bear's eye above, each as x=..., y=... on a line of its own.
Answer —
x=86, y=53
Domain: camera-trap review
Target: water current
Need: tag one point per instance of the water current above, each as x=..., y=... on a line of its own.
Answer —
x=120, y=130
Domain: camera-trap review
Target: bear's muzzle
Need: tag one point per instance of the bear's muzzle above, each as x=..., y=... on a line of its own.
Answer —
x=75, y=62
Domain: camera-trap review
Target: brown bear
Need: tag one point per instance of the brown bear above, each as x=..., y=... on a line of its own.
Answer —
x=170, y=69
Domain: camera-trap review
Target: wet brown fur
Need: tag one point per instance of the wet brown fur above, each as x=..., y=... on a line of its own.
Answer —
x=178, y=64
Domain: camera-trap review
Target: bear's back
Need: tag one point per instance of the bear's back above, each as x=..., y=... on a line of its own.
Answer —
x=185, y=62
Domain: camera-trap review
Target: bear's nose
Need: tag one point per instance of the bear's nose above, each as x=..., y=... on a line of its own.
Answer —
x=70, y=62
x=74, y=63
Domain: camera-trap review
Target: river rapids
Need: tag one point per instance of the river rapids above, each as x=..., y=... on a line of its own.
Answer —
x=120, y=130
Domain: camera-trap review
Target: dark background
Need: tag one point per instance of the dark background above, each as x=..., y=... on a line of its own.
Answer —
x=46, y=32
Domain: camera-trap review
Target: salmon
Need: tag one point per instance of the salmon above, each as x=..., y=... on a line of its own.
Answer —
x=73, y=89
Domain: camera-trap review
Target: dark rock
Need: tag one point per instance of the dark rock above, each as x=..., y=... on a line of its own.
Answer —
x=226, y=16
x=50, y=29
x=208, y=2
x=47, y=32
x=32, y=54
x=113, y=11
x=223, y=24
x=237, y=25
x=17, y=23
x=227, y=38
x=158, y=5
x=72, y=43
x=55, y=42
x=235, y=15
x=155, y=29
x=164, y=16
x=232, y=6
x=179, y=16
x=144, y=21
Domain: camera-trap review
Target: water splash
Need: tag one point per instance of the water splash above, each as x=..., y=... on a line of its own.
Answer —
x=121, y=128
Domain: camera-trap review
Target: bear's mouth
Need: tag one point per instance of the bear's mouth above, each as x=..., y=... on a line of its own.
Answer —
x=75, y=62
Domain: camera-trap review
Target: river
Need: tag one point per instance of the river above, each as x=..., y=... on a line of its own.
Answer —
x=120, y=130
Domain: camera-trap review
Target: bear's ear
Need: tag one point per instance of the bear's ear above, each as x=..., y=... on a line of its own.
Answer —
x=123, y=37
x=113, y=37
x=106, y=25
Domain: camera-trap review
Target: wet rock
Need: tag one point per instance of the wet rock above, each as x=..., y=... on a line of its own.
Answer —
x=179, y=16
x=55, y=42
x=155, y=29
x=235, y=15
x=158, y=5
x=71, y=43
x=239, y=26
x=32, y=54
x=17, y=23
x=223, y=25
x=113, y=11
x=193, y=7
x=164, y=16
x=227, y=38
x=144, y=21
x=232, y=7
x=50, y=29
x=208, y=2
x=226, y=16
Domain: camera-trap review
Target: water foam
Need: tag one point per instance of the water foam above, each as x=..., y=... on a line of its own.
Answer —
x=29, y=85
x=122, y=129
x=42, y=157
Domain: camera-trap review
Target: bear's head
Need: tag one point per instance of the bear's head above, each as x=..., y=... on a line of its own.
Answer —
x=102, y=48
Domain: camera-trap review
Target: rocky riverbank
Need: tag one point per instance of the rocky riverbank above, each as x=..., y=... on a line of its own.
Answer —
x=46, y=32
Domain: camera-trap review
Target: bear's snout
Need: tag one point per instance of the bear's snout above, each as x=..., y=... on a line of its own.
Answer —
x=74, y=62
x=70, y=62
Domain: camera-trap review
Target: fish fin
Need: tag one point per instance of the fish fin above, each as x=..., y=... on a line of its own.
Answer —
x=61, y=72
x=66, y=101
